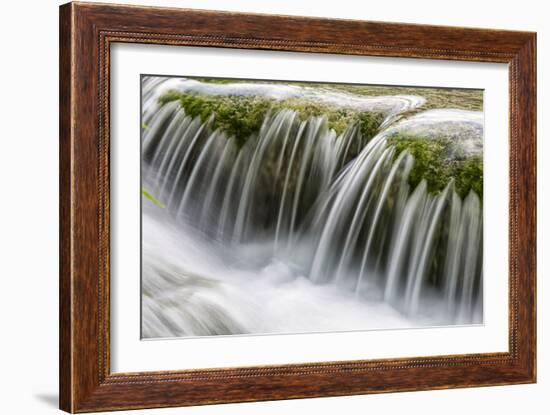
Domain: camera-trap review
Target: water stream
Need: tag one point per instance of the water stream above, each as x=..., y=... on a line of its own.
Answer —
x=301, y=229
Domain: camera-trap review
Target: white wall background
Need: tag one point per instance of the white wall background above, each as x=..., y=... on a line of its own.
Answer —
x=29, y=192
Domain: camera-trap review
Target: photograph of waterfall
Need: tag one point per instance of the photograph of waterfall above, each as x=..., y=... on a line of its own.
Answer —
x=280, y=207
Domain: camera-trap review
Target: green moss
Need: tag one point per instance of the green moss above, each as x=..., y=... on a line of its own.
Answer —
x=152, y=198
x=339, y=118
x=369, y=123
x=242, y=116
x=169, y=96
x=470, y=176
x=238, y=116
x=432, y=164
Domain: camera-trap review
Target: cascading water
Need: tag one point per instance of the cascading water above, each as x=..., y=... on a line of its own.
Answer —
x=300, y=228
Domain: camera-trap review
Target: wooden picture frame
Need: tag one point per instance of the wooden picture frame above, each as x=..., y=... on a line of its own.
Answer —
x=86, y=33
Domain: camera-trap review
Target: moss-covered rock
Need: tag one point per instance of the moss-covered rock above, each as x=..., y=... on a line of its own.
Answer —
x=433, y=164
x=241, y=116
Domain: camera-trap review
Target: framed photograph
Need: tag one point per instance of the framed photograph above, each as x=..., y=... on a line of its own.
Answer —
x=258, y=207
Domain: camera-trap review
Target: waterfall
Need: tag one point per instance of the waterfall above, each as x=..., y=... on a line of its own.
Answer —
x=264, y=186
x=337, y=207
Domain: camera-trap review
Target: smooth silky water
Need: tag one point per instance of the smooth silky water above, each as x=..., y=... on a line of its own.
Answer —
x=301, y=229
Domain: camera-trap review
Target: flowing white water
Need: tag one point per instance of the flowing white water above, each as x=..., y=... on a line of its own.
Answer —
x=301, y=229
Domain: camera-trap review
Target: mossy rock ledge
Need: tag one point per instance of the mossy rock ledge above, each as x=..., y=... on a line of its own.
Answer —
x=445, y=143
x=438, y=160
x=241, y=116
